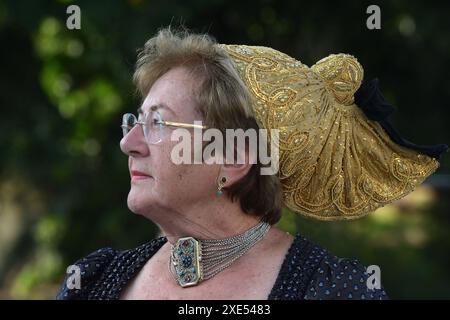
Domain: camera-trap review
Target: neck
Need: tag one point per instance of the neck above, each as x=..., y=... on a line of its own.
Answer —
x=217, y=219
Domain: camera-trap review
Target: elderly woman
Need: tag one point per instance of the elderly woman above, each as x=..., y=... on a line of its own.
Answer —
x=338, y=159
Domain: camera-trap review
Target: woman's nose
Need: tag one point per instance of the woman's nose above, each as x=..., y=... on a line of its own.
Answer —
x=134, y=143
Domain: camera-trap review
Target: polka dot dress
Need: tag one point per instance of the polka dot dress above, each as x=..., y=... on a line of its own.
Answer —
x=308, y=272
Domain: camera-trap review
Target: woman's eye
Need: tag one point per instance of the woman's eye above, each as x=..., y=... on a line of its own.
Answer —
x=156, y=119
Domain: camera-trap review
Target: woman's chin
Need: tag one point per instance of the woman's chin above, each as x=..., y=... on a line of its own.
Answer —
x=138, y=203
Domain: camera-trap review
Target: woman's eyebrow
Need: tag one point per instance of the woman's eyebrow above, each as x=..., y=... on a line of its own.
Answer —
x=156, y=107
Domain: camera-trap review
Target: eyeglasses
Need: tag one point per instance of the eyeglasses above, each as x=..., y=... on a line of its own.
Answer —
x=153, y=125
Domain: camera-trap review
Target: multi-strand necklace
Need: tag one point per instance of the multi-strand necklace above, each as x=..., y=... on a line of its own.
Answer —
x=192, y=261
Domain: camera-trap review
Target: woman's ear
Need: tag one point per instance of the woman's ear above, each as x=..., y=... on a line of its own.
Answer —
x=234, y=172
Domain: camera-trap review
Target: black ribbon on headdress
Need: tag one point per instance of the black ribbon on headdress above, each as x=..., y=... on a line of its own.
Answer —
x=370, y=99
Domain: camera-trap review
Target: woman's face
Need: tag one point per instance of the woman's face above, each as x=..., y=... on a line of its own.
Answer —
x=168, y=186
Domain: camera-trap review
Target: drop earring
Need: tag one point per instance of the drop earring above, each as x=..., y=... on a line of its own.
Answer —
x=221, y=184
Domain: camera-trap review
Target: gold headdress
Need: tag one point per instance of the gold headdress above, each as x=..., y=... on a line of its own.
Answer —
x=335, y=161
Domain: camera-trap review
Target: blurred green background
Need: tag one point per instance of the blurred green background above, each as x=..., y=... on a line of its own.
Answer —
x=64, y=181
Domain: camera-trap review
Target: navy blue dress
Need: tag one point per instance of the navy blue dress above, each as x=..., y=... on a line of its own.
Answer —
x=308, y=272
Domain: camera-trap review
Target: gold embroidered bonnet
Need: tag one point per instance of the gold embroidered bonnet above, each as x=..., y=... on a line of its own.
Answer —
x=335, y=162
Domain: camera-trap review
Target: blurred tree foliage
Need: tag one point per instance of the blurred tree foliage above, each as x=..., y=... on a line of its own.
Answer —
x=64, y=181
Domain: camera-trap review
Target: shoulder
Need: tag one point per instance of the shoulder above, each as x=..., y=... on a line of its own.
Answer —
x=343, y=278
x=98, y=270
x=312, y=272
x=87, y=269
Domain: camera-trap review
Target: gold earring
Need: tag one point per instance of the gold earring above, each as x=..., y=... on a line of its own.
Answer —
x=221, y=184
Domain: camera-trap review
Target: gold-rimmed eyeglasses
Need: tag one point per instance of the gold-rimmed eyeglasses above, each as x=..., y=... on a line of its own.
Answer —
x=153, y=125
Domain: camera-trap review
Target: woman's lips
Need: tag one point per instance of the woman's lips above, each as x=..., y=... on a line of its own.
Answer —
x=137, y=175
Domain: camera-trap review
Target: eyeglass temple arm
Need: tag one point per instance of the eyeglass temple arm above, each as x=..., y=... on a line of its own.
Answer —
x=184, y=125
